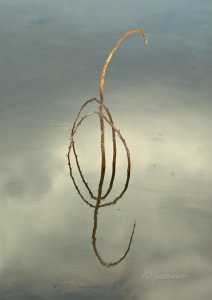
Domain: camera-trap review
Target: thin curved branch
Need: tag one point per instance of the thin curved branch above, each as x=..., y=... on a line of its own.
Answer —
x=110, y=264
x=78, y=121
x=101, y=86
x=102, y=176
x=102, y=76
x=74, y=150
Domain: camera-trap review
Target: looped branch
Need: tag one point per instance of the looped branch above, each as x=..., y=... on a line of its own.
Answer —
x=107, y=118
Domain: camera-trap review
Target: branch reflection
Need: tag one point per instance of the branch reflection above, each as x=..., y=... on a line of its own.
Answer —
x=104, y=116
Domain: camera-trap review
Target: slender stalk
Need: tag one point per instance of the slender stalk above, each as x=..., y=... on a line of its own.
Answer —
x=72, y=145
x=78, y=121
x=102, y=77
x=101, y=87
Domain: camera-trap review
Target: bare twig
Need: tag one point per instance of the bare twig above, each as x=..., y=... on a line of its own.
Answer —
x=102, y=117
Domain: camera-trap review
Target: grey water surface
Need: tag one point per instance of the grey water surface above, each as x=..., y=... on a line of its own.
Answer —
x=51, y=56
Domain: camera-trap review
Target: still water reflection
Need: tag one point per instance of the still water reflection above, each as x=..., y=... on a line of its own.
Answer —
x=50, y=58
x=97, y=206
x=104, y=115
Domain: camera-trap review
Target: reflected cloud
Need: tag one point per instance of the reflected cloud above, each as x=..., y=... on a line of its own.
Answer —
x=44, y=229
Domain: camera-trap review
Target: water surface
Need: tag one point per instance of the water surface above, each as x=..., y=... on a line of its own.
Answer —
x=51, y=55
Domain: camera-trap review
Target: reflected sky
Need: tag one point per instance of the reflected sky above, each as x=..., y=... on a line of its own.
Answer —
x=51, y=56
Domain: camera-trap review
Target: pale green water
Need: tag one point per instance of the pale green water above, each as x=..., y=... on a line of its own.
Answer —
x=51, y=56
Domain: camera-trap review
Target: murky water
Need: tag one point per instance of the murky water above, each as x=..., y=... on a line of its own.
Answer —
x=51, y=56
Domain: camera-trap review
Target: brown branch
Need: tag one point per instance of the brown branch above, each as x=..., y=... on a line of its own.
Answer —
x=94, y=240
x=102, y=77
x=73, y=131
x=78, y=121
x=101, y=86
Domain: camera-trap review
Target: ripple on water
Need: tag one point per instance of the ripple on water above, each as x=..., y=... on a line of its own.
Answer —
x=187, y=204
x=199, y=160
x=93, y=286
x=29, y=287
x=32, y=287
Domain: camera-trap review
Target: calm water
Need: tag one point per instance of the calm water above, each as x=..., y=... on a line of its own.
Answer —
x=51, y=56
